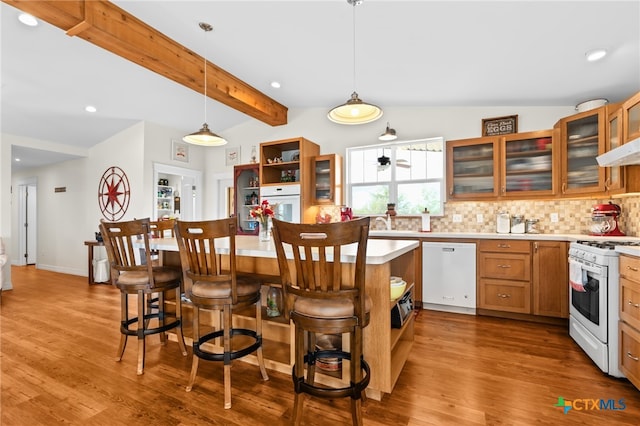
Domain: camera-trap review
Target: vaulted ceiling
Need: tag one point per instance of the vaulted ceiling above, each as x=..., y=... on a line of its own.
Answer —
x=408, y=53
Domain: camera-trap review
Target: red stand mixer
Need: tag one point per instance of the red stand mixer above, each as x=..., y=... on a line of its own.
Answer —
x=604, y=220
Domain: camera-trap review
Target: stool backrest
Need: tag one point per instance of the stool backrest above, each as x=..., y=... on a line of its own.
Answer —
x=160, y=228
x=200, y=262
x=118, y=239
x=318, y=271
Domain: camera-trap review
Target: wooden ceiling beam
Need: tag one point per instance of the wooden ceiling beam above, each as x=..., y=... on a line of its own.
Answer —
x=106, y=25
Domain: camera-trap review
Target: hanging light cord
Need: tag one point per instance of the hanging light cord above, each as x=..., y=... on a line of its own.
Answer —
x=206, y=27
x=355, y=3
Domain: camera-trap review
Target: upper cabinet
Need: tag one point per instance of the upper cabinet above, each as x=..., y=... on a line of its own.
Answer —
x=631, y=118
x=582, y=140
x=327, y=179
x=528, y=164
x=614, y=175
x=472, y=171
x=518, y=165
x=286, y=161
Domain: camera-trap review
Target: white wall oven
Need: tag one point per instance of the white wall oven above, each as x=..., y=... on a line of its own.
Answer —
x=285, y=199
x=594, y=300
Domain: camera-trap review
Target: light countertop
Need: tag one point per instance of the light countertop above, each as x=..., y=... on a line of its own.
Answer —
x=379, y=251
x=630, y=250
x=495, y=236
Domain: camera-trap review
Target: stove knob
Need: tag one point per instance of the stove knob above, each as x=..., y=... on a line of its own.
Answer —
x=592, y=257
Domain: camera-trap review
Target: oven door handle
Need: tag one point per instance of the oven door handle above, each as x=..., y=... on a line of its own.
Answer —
x=593, y=269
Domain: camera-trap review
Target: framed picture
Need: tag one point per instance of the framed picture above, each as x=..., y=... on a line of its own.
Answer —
x=232, y=156
x=179, y=151
x=500, y=125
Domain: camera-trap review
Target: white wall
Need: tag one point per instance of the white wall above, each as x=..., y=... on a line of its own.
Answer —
x=66, y=220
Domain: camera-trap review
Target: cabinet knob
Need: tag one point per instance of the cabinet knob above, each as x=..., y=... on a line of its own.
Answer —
x=504, y=295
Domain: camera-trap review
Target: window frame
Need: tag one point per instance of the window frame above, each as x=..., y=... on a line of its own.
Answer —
x=393, y=182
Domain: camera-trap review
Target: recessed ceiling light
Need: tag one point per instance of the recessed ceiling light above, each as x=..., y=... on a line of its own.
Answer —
x=595, y=55
x=275, y=84
x=17, y=160
x=90, y=108
x=27, y=19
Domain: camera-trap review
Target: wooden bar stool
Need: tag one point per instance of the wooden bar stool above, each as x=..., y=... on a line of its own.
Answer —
x=325, y=296
x=134, y=274
x=212, y=287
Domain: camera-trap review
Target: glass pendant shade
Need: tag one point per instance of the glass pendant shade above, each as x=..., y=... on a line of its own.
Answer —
x=204, y=137
x=355, y=111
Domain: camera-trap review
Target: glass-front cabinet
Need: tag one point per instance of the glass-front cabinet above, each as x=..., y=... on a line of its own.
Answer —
x=527, y=167
x=246, y=197
x=615, y=174
x=327, y=179
x=582, y=140
x=631, y=118
x=472, y=168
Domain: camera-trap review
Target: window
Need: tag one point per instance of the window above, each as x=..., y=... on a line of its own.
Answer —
x=409, y=174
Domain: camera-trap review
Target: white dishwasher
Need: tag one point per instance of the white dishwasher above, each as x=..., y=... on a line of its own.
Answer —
x=449, y=277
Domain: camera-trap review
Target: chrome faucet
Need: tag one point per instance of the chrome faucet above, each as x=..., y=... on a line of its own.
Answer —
x=386, y=221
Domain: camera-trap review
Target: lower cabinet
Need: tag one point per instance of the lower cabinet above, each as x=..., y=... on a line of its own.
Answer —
x=524, y=277
x=629, y=325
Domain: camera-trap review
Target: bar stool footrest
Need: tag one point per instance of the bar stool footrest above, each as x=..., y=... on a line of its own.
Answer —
x=227, y=357
x=354, y=390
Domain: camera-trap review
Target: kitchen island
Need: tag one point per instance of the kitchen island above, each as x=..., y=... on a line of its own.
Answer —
x=385, y=348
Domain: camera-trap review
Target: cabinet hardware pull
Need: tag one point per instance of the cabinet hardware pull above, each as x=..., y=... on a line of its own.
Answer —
x=535, y=246
x=504, y=266
x=632, y=268
x=630, y=355
x=504, y=295
x=635, y=305
x=504, y=245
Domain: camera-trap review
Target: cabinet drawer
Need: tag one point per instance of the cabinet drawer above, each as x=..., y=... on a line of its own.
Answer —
x=630, y=302
x=510, y=296
x=630, y=267
x=505, y=246
x=505, y=266
x=630, y=353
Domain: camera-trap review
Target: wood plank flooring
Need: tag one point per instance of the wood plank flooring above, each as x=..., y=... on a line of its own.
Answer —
x=59, y=337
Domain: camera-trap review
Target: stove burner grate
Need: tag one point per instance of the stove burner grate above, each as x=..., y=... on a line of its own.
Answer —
x=608, y=244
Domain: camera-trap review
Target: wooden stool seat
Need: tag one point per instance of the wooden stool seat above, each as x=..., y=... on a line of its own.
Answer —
x=323, y=296
x=134, y=273
x=209, y=286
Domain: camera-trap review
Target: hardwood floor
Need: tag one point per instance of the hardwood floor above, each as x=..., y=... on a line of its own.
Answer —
x=59, y=338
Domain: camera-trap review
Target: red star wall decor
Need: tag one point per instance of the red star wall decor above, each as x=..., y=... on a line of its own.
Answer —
x=114, y=193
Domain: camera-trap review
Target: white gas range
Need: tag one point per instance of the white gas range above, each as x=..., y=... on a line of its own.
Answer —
x=594, y=299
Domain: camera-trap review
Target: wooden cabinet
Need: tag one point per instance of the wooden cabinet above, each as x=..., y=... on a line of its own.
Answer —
x=326, y=180
x=550, y=273
x=631, y=118
x=629, y=325
x=582, y=140
x=289, y=162
x=614, y=175
x=246, y=191
x=504, y=275
x=472, y=168
x=520, y=165
x=527, y=165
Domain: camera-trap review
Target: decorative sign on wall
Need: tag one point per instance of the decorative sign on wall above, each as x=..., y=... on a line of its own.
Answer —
x=500, y=125
x=114, y=193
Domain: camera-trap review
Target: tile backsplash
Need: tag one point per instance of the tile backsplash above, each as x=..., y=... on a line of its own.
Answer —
x=574, y=216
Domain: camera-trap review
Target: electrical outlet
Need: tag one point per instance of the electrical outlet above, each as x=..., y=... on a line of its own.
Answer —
x=479, y=218
x=554, y=217
x=457, y=218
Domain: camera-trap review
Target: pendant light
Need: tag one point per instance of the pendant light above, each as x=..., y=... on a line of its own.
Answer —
x=204, y=136
x=355, y=110
x=388, y=135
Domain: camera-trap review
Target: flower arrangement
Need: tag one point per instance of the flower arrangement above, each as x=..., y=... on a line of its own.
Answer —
x=263, y=212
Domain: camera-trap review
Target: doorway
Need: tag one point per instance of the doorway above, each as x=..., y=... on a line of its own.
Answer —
x=28, y=220
x=185, y=192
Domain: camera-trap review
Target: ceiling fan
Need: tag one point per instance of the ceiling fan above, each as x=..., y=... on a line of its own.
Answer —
x=384, y=163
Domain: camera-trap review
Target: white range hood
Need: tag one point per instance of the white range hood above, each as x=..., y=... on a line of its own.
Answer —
x=624, y=155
